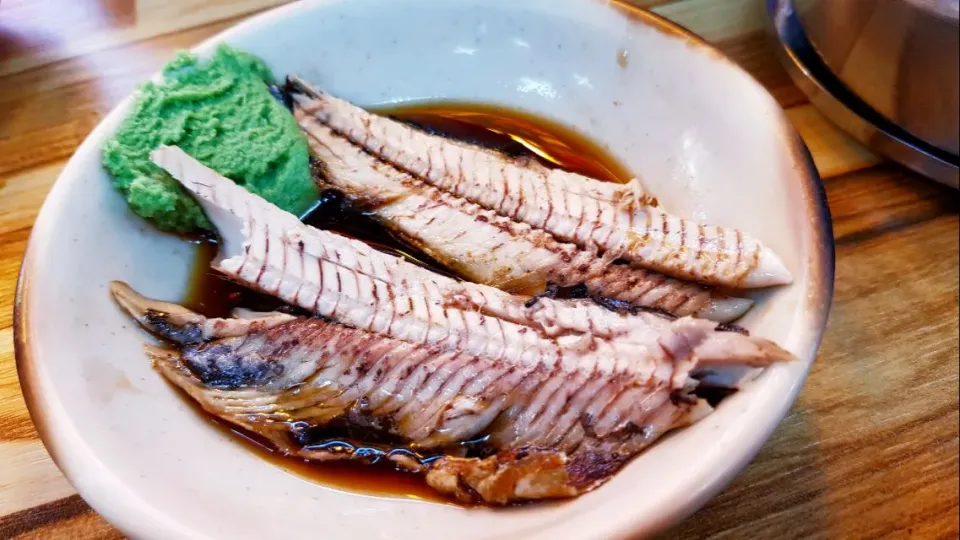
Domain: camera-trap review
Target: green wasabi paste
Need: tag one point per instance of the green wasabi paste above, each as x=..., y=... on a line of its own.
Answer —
x=222, y=113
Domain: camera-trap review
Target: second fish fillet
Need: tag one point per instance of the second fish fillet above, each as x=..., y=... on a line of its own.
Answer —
x=618, y=220
x=491, y=249
x=478, y=428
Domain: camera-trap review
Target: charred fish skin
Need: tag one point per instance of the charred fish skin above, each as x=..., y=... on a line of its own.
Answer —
x=550, y=432
x=491, y=249
x=613, y=218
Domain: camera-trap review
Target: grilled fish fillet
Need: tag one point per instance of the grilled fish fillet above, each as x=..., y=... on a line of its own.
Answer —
x=488, y=248
x=616, y=219
x=480, y=428
x=348, y=281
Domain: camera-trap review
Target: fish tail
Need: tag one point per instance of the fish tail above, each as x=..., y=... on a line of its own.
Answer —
x=168, y=321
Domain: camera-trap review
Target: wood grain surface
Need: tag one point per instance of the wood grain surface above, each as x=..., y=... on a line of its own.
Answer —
x=870, y=450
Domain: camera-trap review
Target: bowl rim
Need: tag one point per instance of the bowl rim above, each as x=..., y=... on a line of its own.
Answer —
x=822, y=266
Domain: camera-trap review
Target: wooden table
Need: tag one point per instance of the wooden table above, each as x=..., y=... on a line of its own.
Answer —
x=870, y=449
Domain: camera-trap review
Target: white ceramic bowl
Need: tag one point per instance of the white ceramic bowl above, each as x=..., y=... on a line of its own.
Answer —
x=705, y=138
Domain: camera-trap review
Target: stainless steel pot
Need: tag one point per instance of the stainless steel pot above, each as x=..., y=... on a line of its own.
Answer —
x=892, y=65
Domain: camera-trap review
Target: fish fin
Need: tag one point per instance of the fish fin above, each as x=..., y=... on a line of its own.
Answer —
x=769, y=271
x=137, y=305
x=731, y=348
x=169, y=363
x=169, y=321
x=161, y=355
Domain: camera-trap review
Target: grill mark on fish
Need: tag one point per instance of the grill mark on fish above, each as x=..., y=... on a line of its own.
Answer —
x=595, y=223
x=590, y=392
x=701, y=257
x=506, y=192
x=520, y=199
x=459, y=162
x=607, y=240
x=429, y=163
x=303, y=271
x=431, y=377
x=683, y=237
x=739, y=257
x=315, y=307
x=523, y=381
x=335, y=276
x=357, y=124
x=722, y=260
x=560, y=403
x=283, y=263
x=397, y=375
x=647, y=230
x=653, y=283
x=581, y=215
x=266, y=253
x=620, y=389
x=682, y=300
x=453, y=389
x=665, y=229
x=448, y=380
x=247, y=247
x=756, y=260
x=552, y=198
x=556, y=433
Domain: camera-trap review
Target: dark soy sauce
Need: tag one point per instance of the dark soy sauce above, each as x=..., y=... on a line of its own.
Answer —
x=516, y=133
x=355, y=477
x=509, y=131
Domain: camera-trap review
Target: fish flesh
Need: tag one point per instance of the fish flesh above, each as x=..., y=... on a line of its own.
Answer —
x=478, y=428
x=618, y=220
x=485, y=247
x=348, y=281
x=493, y=397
